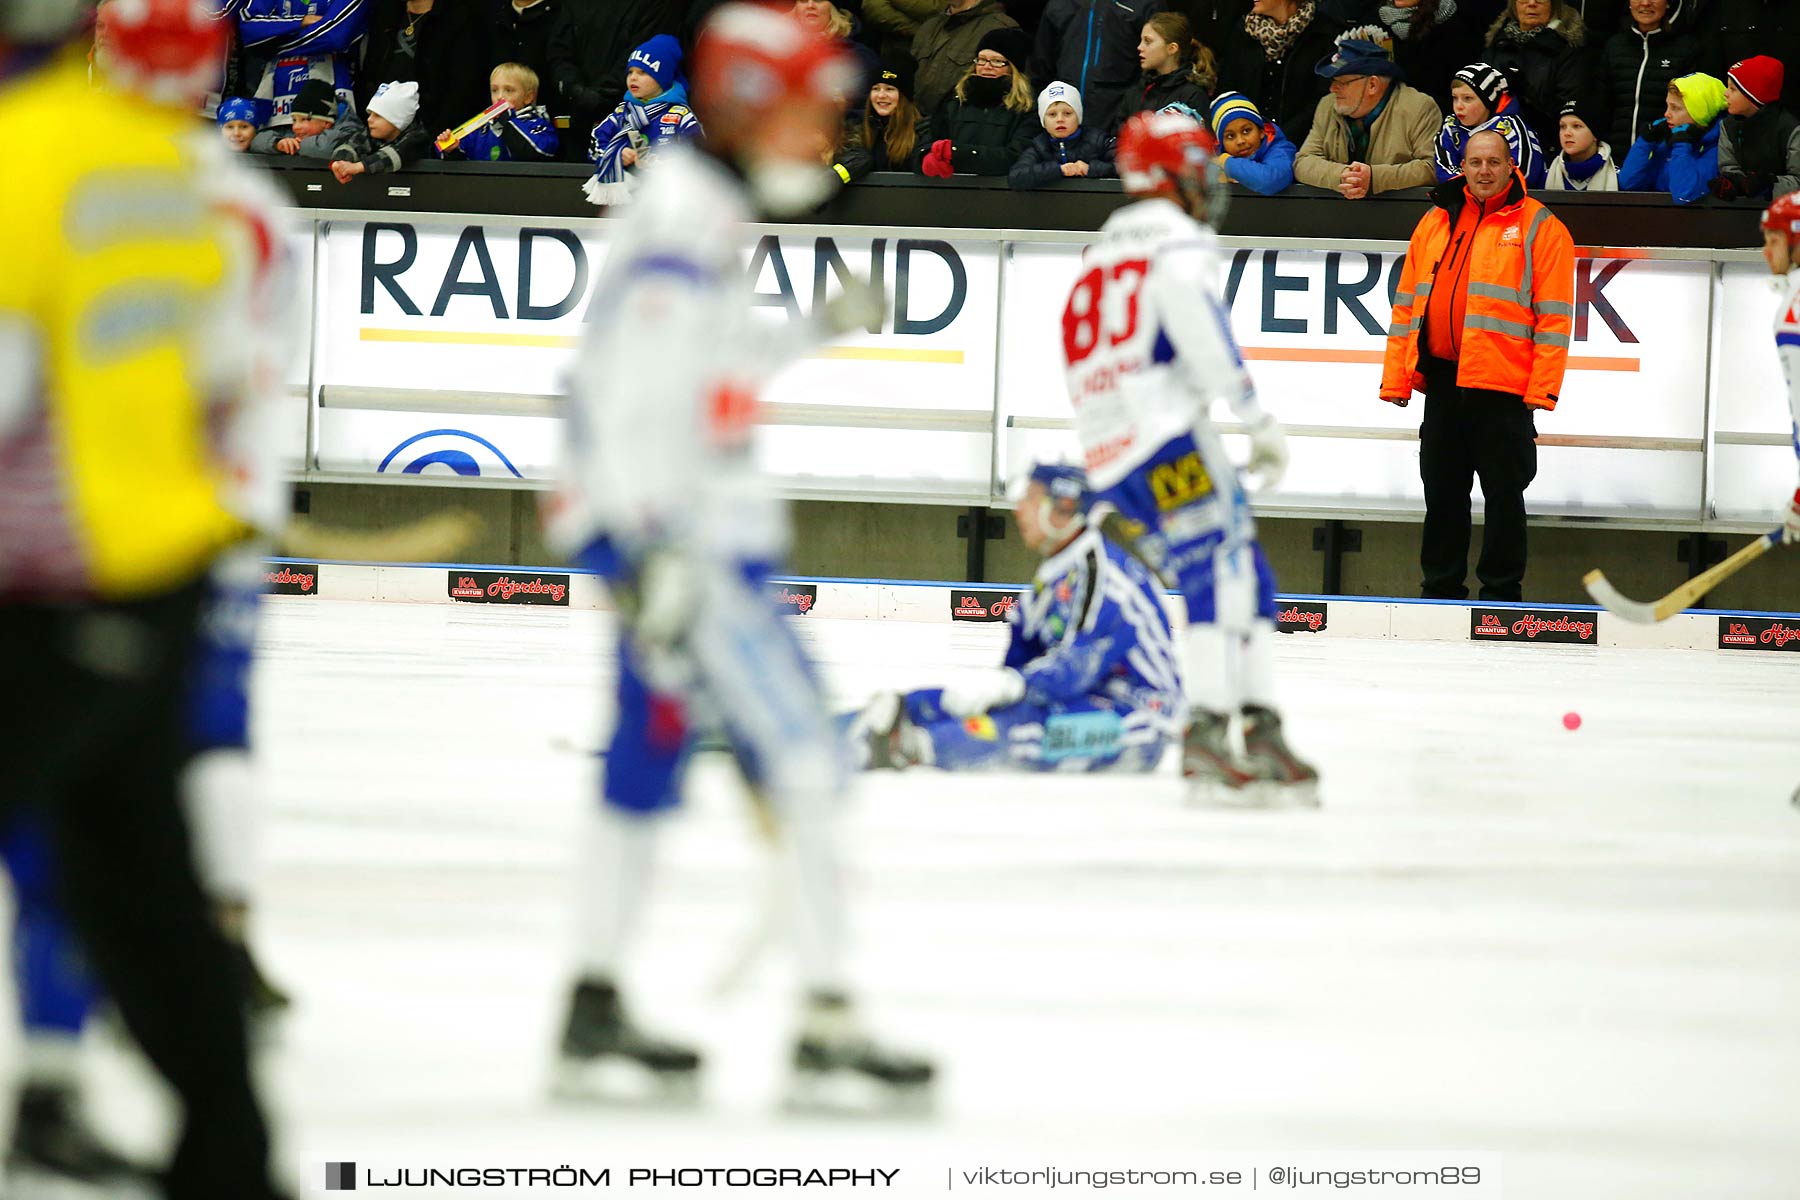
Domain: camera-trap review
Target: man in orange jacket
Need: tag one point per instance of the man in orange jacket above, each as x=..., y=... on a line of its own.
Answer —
x=1481, y=325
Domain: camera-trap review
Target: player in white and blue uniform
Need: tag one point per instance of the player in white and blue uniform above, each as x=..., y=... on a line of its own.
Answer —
x=1090, y=681
x=1148, y=349
x=660, y=495
x=1781, y=239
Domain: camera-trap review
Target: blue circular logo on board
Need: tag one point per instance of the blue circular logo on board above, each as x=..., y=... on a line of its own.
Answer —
x=456, y=451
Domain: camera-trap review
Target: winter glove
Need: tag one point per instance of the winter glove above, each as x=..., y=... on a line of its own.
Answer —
x=1268, y=453
x=937, y=160
x=978, y=693
x=666, y=595
x=1755, y=185
x=1790, y=525
x=1692, y=133
x=1656, y=131
x=860, y=308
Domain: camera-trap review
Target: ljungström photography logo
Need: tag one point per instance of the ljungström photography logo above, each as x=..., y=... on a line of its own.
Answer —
x=340, y=1177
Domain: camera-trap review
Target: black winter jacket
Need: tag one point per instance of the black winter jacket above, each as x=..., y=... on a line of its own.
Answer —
x=1430, y=61
x=1042, y=163
x=1635, y=70
x=449, y=63
x=522, y=37
x=1547, y=68
x=859, y=157
x=1285, y=91
x=1153, y=93
x=1750, y=27
x=587, y=48
x=985, y=141
x=1092, y=44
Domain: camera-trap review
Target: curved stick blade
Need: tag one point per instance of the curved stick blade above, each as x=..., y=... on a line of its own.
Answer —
x=1613, y=601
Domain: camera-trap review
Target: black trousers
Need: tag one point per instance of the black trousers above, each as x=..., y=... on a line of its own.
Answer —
x=98, y=738
x=1467, y=434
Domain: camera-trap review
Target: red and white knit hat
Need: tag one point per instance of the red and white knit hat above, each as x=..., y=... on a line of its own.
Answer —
x=1759, y=78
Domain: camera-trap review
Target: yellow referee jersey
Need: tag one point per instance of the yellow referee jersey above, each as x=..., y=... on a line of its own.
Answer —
x=110, y=270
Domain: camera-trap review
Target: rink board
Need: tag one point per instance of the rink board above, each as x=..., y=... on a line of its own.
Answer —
x=946, y=603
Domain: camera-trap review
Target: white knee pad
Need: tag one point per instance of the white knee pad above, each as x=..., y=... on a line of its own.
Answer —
x=219, y=791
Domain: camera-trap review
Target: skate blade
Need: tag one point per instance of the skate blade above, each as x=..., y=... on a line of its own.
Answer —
x=1257, y=795
x=853, y=1095
x=624, y=1083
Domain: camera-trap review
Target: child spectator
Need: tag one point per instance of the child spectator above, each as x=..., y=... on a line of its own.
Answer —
x=389, y=140
x=1759, y=140
x=237, y=122
x=892, y=134
x=1065, y=150
x=1585, y=164
x=1679, y=151
x=655, y=110
x=1481, y=99
x=1257, y=154
x=524, y=133
x=986, y=123
x=311, y=131
x=1178, y=72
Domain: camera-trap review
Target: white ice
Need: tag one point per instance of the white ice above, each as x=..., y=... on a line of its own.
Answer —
x=1580, y=951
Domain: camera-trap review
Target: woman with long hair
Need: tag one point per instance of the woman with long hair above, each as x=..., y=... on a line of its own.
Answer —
x=1178, y=71
x=990, y=119
x=1270, y=58
x=892, y=134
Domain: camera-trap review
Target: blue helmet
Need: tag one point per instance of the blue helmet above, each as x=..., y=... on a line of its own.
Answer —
x=1062, y=481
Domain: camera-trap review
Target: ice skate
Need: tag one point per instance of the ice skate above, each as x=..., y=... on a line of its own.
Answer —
x=1283, y=779
x=1217, y=777
x=264, y=1002
x=875, y=732
x=605, y=1057
x=839, y=1070
x=52, y=1142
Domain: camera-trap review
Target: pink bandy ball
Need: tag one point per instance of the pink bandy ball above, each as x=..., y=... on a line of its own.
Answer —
x=1571, y=720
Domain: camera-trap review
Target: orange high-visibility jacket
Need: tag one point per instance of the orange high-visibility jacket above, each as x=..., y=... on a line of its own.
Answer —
x=1519, y=309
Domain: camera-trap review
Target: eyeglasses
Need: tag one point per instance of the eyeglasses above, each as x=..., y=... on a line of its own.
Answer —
x=992, y=64
x=1345, y=81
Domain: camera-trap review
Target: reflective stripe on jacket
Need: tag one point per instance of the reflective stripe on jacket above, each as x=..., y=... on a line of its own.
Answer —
x=1519, y=306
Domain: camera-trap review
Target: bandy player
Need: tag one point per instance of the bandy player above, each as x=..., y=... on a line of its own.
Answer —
x=1148, y=349
x=1781, y=239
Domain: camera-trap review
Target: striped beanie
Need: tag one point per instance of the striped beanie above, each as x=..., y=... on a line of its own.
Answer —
x=1487, y=81
x=1229, y=107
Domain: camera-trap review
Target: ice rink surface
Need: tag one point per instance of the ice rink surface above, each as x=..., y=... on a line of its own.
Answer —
x=1579, y=950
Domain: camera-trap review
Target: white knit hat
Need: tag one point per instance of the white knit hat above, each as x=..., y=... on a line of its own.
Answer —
x=396, y=103
x=1066, y=93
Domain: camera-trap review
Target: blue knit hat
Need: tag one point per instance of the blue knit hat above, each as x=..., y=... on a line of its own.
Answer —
x=236, y=108
x=1232, y=106
x=659, y=58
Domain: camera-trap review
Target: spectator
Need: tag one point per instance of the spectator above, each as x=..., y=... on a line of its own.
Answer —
x=1639, y=62
x=524, y=133
x=311, y=129
x=1759, y=141
x=654, y=112
x=945, y=46
x=1257, y=154
x=986, y=124
x=1746, y=28
x=520, y=32
x=1541, y=45
x=1480, y=99
x=285, y=51
x=1679, y=152
x=892, y=134
x=1585, y=164
x=896, y=22
x=391, y=138
x=1431, y=39
x=237, y=122
x=1177, y=71
x=1093, y=44
x=1372, y=133
x=828, y=21
x=587, y=48
x=1488, y=345
x=1603, y=18
x=1270, y=59
x=1213, y=20
x=441, y=45
x=1066, y=149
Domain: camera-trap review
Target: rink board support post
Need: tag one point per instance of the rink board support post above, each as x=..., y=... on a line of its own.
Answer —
x=977, y=527
x=1334, y=541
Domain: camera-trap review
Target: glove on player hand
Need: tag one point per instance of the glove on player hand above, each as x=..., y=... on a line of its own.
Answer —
x=1268, y=453
x=979, y=693
x=860, y=308
x=668, y=593
x=1790, y=526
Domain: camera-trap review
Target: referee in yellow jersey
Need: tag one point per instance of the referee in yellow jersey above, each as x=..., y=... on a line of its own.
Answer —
x=110, y=513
